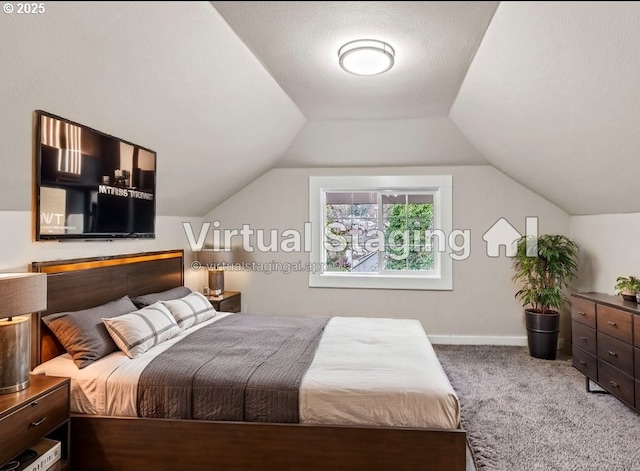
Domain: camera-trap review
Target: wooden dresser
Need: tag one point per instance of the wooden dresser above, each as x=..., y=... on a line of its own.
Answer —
x=606, y=343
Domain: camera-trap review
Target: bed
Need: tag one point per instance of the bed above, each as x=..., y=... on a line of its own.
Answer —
x=111, y=438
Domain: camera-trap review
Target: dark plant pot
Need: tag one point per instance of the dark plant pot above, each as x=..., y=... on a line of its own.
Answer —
x=629, y=297
x=542, y=334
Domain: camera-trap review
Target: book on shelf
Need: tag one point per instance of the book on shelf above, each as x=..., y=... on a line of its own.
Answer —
x=49, y=452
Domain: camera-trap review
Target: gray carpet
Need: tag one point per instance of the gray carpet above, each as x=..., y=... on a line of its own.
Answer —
x=525, y=414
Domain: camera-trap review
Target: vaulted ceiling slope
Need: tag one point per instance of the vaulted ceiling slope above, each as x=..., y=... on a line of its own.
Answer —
x=298, y=44
x=552, y=99
x=381, y=143
x=171, y=76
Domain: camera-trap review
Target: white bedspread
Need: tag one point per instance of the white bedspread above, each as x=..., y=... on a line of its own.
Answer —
x=366, y=371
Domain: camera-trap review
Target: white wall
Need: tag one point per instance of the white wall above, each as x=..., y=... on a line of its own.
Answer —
x=609, y=248
x=18, y=249
x=170, y=76
x=482, y=302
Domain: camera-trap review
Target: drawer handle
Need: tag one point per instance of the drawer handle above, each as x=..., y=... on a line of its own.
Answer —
x=612, y=324
x=613, y=354
x=583, y=362
x=582, y=313
x=39, y=422
x=614, y=384
x=583, y=338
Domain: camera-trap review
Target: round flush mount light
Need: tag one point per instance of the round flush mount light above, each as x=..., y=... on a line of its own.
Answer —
x=366, y=57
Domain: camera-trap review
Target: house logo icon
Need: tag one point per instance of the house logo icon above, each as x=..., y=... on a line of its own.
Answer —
x=502, y=233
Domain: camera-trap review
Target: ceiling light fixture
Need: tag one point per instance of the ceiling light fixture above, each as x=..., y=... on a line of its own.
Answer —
x=366, y=57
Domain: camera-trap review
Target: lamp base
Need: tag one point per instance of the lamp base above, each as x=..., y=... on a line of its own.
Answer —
x=14, y=354
x=14, y=388
x=216, y=282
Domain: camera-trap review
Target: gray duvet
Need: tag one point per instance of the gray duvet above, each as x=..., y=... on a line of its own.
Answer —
x=241, y=368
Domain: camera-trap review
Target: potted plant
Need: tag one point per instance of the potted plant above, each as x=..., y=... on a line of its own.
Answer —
x=544, y=266
x=628, y=287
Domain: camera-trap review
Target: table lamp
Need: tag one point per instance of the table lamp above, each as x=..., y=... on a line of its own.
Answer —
x=20, y=294
x=214, y=260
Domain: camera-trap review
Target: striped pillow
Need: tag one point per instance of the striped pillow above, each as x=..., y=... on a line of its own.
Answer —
x=190, y=310
x=137, y=332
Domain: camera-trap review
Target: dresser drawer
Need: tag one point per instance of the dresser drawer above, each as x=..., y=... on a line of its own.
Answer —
x=585, y=362
x=636, y=354
x=637, y=393
x=35, y=419
x=616, y=382
x=583, y=311
x=636, y=331
x=584, y=337
x=615, y=322
x=615, y=352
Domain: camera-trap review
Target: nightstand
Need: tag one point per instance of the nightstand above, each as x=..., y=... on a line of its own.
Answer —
x=39, y=411
x=229, y=301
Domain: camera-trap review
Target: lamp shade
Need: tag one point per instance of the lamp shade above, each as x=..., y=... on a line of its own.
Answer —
x=215, y=258
x=20, y=293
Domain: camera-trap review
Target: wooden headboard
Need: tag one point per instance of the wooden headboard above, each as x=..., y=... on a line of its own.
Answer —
x=82, y=283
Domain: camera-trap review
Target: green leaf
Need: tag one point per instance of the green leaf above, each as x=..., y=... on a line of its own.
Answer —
x=543, y=277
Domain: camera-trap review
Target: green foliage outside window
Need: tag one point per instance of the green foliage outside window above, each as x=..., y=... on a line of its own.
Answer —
x=414, y=220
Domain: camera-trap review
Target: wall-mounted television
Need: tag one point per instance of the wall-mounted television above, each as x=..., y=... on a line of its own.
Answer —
x=90, y=185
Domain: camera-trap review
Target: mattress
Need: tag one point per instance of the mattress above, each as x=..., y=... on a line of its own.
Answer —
x=366, y=371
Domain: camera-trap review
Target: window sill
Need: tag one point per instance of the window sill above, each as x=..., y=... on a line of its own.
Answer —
x=377, y=281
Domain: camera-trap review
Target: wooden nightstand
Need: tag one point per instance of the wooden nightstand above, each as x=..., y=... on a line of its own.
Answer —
x=41, y=410
x=229, y=301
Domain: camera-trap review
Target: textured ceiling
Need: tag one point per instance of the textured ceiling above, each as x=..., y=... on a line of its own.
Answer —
x=171, y=76
x=297, y=42
x=552, y=99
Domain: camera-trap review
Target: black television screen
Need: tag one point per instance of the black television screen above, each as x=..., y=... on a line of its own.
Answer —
x=90, y=185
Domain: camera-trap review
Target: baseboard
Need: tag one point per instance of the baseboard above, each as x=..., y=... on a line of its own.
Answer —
x=520, y=341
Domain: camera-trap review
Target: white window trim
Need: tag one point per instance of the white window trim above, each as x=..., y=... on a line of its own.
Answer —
x=442, y=186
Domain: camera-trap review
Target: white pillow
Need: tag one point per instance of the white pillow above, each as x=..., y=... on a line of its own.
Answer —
x=193, y=309
x=137, y=332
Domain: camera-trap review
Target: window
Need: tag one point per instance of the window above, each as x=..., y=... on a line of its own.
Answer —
x=381, y=232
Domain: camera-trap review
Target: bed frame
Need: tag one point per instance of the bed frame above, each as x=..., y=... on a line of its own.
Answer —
x=119, y=443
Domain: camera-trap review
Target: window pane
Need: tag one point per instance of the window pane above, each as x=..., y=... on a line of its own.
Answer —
x=363, y=230
x=393, y=205
x=366, y=264
x=365, y=210
x=335, y=211
x=408, y=258
x=421, y=225
x=367, y=197
x=420, y=199
x=407, y=220
x=394, y=199
x=338, y=198
x=420, y=259
x=352, y=219
x=395, y=258
x=339, y=260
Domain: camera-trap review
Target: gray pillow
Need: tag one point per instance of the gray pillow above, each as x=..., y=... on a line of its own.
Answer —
x=148, y=299
x=83, y=334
